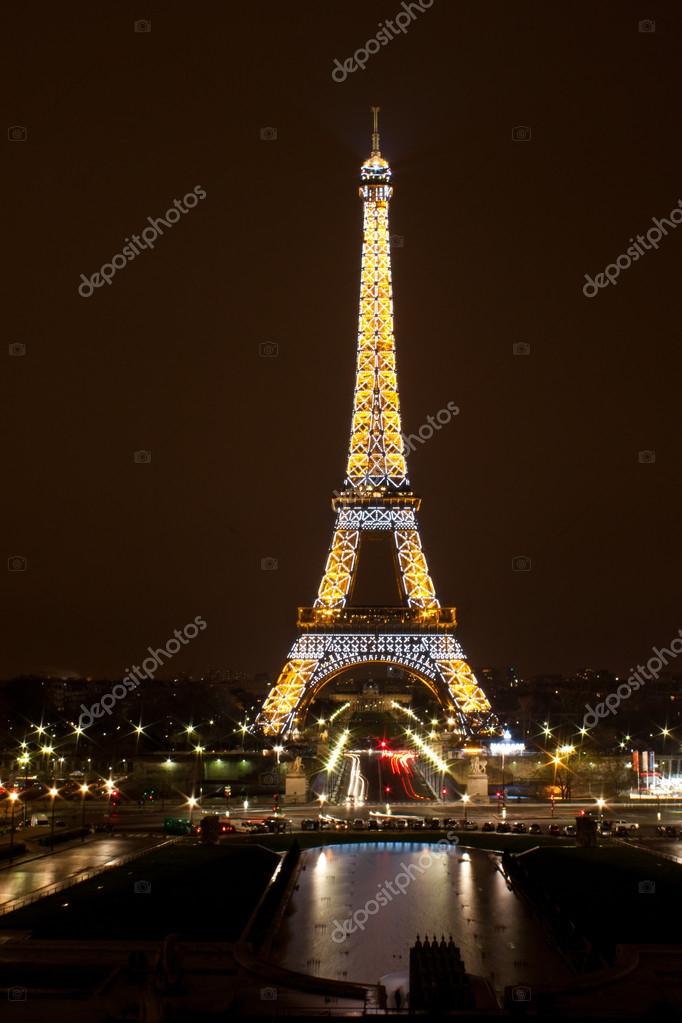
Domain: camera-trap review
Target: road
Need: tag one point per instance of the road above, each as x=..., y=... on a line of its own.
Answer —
x=29, y=876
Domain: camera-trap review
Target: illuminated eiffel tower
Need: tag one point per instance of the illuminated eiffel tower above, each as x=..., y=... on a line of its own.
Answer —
x=417, y=635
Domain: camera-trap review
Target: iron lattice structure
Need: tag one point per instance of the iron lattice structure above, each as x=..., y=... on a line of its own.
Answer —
x=418, y=635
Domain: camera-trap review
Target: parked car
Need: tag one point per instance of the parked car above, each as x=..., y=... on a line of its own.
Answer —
x=359, y=824
x=488, y=826
x=450, y=822
x=519, y=828
x=310, y=824
x=554, y=829
x=503, y=827
x=417, y=824
x=468, y=825
x=628, y=825
x=226, y=827
x=372, y=824
x=433, y=823
x=569, y=830
x=604, y=827
x=401, y=824
x=534, y=829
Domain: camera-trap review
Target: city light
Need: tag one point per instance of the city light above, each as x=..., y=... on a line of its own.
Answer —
x=429, y=753
x=336, y=751
x=54, y=791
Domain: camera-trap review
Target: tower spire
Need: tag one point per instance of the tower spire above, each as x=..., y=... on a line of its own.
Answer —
x=376, y=456
x=375, y=131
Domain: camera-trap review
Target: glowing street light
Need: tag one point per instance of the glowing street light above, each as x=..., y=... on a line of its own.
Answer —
x=278, y=750
x=53, y=793
x=13, y=796
x=465, y=799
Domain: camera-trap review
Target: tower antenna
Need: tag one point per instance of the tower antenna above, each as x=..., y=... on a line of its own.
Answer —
x=375, y=131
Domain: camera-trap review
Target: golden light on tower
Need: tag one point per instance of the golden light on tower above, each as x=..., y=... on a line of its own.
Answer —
x=418, y=635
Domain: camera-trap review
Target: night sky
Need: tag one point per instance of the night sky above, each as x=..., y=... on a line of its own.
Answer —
x=541, y=462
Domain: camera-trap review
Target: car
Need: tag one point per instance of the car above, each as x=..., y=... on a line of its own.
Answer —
x=450, y=822
x=179, y=826
x=519, y=828
x=554, y=829
x=387, y=824
x=488, y=826
x=226, y=827
x=621, y=831
x=503, y=827
x=372, y=824
x=629, y=825
x=276, y=825
x=341, y=825
x=401, y=824
x=604, y=827
x=433, y=823
x=417, y=824
x=569, y=831
x=40, y=820
x=359, y=824
x=534, y=829
x=310, y=824
x=671, y=832
x=468, y=825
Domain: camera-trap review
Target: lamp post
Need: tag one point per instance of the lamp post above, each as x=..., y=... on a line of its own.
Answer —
x=13, y=796
x=54, y=792
x=85, y=788
x=465, y=799
x=191, y=802
x=601, y=803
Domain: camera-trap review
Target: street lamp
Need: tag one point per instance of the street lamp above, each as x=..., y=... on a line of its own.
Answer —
x=84, y=791
x=465, y=799
x=278, y=750
x=53, y=792
x=13, y=796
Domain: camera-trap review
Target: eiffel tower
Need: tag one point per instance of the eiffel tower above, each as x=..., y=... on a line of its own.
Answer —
x=418, y=634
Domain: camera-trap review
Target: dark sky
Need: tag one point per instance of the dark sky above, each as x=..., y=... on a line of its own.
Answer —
x=542, y=460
